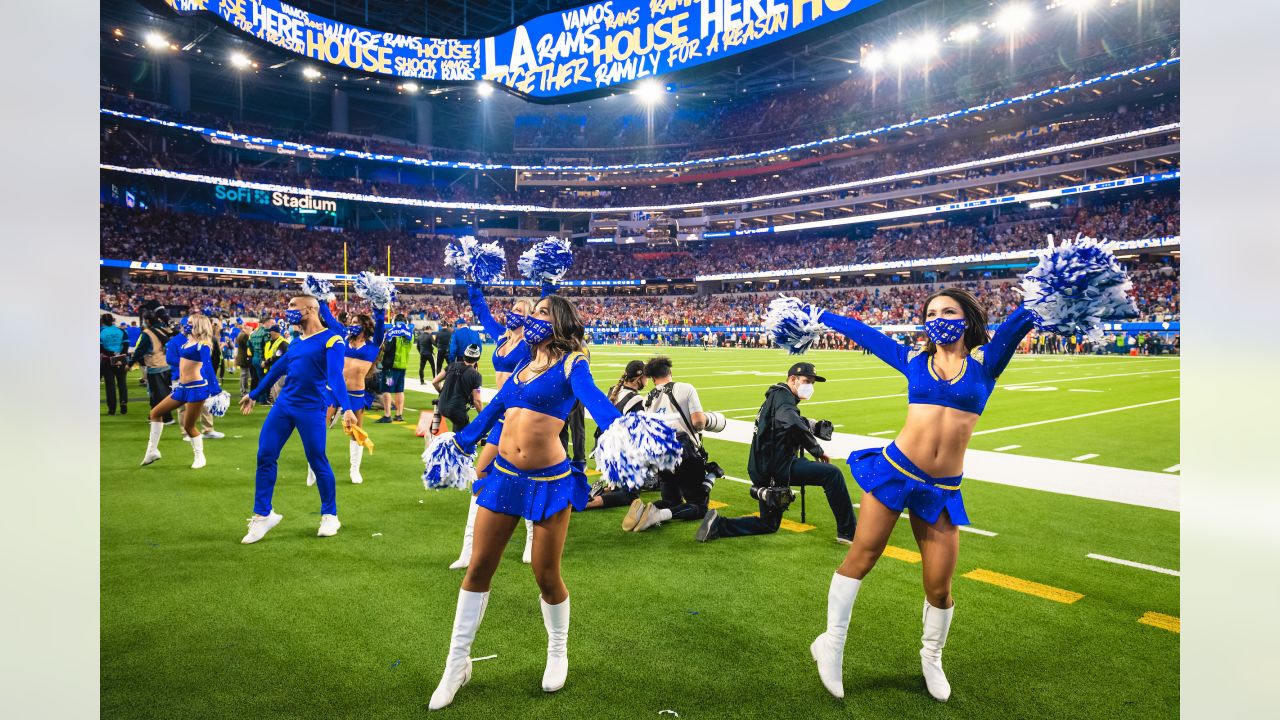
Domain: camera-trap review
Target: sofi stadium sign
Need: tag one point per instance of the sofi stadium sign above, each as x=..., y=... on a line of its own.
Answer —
x=563, y=53
x=277, y=199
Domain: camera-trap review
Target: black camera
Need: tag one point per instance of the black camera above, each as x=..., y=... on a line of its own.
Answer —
x=821, y=429
x=712, y=472
x=774, y=497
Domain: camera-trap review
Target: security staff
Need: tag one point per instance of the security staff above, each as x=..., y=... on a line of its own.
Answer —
x=773, y=464
x=114, y=363
x=443, y=337
x=426, y=354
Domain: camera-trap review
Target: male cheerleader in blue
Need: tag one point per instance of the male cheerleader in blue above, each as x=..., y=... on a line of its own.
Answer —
x=311, y=367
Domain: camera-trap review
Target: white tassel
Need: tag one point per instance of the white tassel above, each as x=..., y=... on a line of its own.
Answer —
x=1076, y=286
x=321, y=290
x=793, y=324
x=482, y=263
x=634, y=447
x=547, y=262
x=377, y=289
x=447, y=465
x=218, y=404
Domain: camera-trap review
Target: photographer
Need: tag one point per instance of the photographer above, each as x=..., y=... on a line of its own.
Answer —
x=773, y=466
x=459, y=388
x=625, y=396
x=687, y=489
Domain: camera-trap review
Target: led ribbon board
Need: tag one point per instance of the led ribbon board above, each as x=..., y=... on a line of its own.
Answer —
x=571, y=52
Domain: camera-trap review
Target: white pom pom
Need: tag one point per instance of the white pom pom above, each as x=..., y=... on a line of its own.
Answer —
x=793, y=325
x=377, y=289
x=1077, y=285
x=476, y=262
x=546, y=262
x=218, y=404
x=634, y=447
x=321, y=290
x=447, y=465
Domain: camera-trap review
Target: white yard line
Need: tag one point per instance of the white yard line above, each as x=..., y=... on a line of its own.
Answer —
x=1075, y=417
x=1088, y=377
x=1007, y=447
x=1083, y=390
x=810, y=403
x=1130, y=563
x=1086, y=456
x=1174, y=469
x=881, y=432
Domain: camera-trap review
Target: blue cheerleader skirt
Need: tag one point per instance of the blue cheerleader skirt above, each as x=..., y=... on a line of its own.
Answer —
x=355, y=401
x=532, y=494
x=197, y=391
x=895, y=481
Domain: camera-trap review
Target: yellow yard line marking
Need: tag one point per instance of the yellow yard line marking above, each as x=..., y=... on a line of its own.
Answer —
x=791, y=525
x=1048, y=592
x=902, y=554
x=716, y=505
x=1162, y=621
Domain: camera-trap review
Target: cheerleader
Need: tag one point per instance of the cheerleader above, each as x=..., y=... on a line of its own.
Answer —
x=948, y=384
x=531, y=478
x=196, y=383
x=511, y=350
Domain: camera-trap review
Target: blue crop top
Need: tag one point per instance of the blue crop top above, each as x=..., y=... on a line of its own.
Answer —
x=201, y=353
x=518, y=354
x=551, y=392
x=969, y=389
x=367, y=352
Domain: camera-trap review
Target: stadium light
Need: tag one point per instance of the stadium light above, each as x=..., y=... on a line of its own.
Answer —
x=965, y=33
x=873, y=60
x=649, y=92
x=484, y=89
x=156, y=41
x=310, y=73
x=900, y=53
x=240, y=60
x=925, y=47
x=1013, y=19
x=410, y=87
x=1080, y=7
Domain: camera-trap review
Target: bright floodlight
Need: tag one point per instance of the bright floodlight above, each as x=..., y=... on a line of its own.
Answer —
x=240, y=60
x=966, y=33
x=873, y=61
x=484, y=89
x=310, y=73
x=649, y=91
x=157, y=41
x=900, y=53
x=1079, y=6
x=925, y=47
x=1013, y=18
x=410, y=87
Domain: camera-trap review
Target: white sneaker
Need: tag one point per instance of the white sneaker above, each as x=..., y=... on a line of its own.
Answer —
x=648, y=518
x=633, y=515
x=214, y=435
x=328, y=526
x=259, y=525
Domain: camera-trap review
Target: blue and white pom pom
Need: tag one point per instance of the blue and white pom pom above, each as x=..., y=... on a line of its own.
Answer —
x=377, y=289
x=1076, y=286
x=321, y=290
x=793, y=325
x=447, y=465
x=546, y=262
x=634, y=447
x=218, y=404
x=476, y=262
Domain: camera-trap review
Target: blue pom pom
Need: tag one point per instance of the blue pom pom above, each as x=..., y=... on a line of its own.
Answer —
x=793, y=324
x=1077, y=285
x=218, y=404
x=477, y=263
x=634, y=447
x=377, y=289
x=447, y=465
x=546, y=262
x=321, y=290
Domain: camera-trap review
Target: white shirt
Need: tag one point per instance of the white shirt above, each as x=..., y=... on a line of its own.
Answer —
x=687, y=396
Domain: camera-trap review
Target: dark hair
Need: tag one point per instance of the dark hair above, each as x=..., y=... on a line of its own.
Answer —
x=399, y=317
x=975, y=318
x=107, y=319
x=366, y=325
x=658, y=368
x=567, y=333
x=634, y=371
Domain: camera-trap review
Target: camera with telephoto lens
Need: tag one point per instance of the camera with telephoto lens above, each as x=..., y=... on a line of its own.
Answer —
x=774, y=497
x=712, y=472
x=821, y=429
x=715, y=422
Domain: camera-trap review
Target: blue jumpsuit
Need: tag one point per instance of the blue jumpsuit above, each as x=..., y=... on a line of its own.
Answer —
x=312, y=366
x=887, y=473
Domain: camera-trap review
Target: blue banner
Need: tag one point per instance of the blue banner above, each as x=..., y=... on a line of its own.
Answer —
x=571, y=52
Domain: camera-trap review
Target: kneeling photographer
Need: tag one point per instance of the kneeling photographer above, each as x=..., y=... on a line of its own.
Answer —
x=774, y=467
x=686, y=491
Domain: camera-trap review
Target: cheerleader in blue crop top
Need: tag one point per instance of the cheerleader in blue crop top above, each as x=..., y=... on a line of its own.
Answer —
x=196, y=382
x=509, y=352
x=948, y=384
x=364, y=339
x=531, y=478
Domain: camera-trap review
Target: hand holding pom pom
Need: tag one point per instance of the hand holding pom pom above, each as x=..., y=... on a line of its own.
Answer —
x=793, y=324
x=447, y=465
x=377, y=289
x=218, y=404
x=1076, y=286
x=547, y=262
x=634, y=446
x=321, y=290
x=475, y=262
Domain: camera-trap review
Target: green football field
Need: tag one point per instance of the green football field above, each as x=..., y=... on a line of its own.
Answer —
x=195, y=625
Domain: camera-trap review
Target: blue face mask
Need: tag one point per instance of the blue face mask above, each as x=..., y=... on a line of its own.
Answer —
x=353, y=330
x=514, y=320
x=944, y=332
x=293, y=317
x=535, y=330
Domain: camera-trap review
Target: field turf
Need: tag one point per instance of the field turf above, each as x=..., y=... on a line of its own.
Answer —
x=195, y=625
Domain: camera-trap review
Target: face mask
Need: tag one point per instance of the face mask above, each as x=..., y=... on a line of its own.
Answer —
x=293, y=317
x=944, y=332
x=353, y=330
x=805, y=391
x=535, y=330
x=515, y=320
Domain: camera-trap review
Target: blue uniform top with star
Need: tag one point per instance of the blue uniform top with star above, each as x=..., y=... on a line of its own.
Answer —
x=969, y=389
x=312, y=366
x=201, y=353
x=367, y=352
